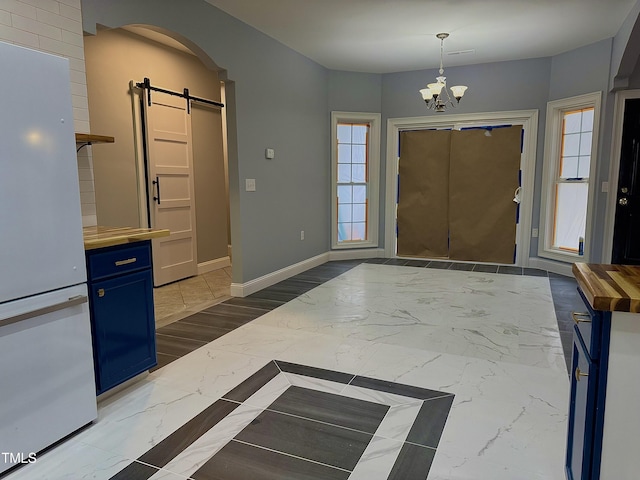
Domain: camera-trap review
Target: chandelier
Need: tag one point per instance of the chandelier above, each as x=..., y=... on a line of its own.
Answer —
x=433, y=95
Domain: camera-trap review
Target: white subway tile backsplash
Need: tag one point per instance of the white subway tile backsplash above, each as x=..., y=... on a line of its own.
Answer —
x=17, y=36
x=14, y=6
x=89, y=221
x=71, y=12
x=5, y=18
x=85, y=174
x=33, y=26
x=59, y=21
x=49, y=5
x=78, y=77
x=79, y=101
x=72, y=38
x=86, y=186
x=87, y=197
x=79, y=89
x=89, y=209
x=61, y=48
x=81, y=114
x=82, y=126
x=71, y=3
x=77, y=64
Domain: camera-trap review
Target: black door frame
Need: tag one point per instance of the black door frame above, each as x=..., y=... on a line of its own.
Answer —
x=614, y=170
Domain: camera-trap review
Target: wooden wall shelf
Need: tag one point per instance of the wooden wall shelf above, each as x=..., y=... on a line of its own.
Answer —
x=89, y=139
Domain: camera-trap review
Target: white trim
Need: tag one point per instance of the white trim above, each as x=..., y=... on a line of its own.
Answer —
x=373, y=184
x=529, y=121
x=553, y=140
x=356, y=254
x=561, y=268
x=138, y=147
x=614, y=171
x=212, y=265
x=252, y=286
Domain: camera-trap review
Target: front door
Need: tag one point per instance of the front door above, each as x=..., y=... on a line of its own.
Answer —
x=171, y=196
x=626, y=236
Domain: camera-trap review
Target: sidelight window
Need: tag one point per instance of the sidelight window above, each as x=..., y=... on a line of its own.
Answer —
x=354, y=179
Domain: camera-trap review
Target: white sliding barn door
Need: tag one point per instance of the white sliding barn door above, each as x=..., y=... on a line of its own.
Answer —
x=171, y=195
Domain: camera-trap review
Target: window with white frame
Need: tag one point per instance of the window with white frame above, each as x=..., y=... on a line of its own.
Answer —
x=355, y=173
x=571, y=141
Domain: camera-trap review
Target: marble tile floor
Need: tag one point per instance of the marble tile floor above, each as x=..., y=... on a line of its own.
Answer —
x=488, y=342
x=180, y=299
x=193, y=330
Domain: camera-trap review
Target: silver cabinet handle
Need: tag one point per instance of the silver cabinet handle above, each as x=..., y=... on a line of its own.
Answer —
x=580, y=374
x=580, y=317
x=72, y=302
x=119, y=263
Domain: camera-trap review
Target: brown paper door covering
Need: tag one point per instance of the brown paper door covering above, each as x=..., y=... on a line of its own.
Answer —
x=483, y=178
x=423, y=212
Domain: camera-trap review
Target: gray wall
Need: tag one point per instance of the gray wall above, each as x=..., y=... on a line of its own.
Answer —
x=278, y=99
x=493, y=87
x=586, y=70
x=355, y=92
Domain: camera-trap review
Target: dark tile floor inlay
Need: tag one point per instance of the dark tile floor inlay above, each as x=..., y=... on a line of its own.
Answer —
x=304, y=433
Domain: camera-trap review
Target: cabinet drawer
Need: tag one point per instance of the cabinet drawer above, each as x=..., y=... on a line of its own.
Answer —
x=588, y=325
x=119, y=259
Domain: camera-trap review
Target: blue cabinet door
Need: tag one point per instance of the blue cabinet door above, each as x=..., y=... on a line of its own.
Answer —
x=582, y=412
x=123, y=327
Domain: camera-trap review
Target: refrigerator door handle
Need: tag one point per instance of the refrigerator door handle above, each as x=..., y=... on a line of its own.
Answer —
x=72, y=302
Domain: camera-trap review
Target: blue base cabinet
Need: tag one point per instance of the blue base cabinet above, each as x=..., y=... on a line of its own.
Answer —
x=588, y=393
x=122, y=315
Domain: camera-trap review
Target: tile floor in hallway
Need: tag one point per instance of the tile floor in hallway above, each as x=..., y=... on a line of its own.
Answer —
x=340, y=334
x=178, y=300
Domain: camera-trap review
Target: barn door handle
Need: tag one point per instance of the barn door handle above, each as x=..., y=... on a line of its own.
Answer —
x=156, y=182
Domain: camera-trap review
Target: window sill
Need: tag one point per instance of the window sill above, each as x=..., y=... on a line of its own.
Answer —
x=354, y=245
x=563, y=256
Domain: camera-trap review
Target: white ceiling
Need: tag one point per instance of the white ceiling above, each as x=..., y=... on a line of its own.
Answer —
x=382, y=36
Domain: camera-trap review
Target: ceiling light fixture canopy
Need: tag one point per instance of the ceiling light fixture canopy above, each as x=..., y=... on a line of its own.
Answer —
x=433, y=95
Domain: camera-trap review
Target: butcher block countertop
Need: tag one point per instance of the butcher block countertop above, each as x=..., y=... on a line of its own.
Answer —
x=610, y=288
x=98, y=237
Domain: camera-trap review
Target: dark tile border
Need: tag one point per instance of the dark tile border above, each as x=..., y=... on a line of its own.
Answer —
x=405, y=467
x=315, y=372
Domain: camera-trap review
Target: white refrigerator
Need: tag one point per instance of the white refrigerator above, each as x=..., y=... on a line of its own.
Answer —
x=47, y=388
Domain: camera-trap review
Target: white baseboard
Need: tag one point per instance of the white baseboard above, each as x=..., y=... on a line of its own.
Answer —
x=356, y=254
x=212, y=265
x=252, y=286
x=551, y=266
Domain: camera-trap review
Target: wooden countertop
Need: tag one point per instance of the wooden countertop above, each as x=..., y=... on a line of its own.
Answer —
x=611, y=288
x=98, y=237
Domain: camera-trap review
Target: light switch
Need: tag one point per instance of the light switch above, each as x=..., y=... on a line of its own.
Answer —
x=269, y=153
x=605, y=187
x=250, y=184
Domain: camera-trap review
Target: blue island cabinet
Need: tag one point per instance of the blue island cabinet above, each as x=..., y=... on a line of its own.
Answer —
x=122, y=317
x=604, y=408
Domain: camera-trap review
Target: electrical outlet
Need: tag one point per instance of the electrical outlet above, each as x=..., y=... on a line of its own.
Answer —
x=534, y=232
x=301, y=234
x=250, y=184
x=269, y=153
